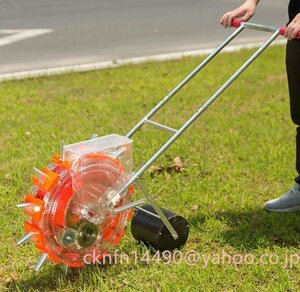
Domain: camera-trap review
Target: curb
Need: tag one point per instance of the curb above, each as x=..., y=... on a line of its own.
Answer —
x=122, y=62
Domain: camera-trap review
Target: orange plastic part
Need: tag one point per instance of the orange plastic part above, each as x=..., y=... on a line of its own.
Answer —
x=57, y=160
x=36, y=212
x=47, y=184
x=39, y=240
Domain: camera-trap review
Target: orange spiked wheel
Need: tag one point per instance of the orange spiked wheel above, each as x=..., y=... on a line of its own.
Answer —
x=69, y=216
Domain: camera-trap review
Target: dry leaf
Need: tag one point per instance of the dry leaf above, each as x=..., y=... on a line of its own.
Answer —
x=178, y=161
x=166, y=171
x=195, y=208
x=155, y=169
x=177, y=166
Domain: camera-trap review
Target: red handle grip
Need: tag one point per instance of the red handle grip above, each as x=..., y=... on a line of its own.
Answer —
x=236, y=23
x=283, y=29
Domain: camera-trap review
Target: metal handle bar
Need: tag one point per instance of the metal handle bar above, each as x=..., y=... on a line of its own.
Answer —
x=177, y=133
x=237, y=23
x=201, y=110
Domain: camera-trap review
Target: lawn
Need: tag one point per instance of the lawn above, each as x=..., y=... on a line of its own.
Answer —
x=239, y=154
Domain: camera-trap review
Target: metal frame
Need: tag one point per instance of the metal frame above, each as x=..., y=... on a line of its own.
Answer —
x=176, y=133
x=135, y=178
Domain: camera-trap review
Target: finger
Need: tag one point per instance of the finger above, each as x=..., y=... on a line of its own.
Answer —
x=287, y=32
x=295, y=31
x=227, y=20
x=235, y=14
x=290, y=33
x=231, y=17
x=222, y=20
x=247, y=16
x=289, y=28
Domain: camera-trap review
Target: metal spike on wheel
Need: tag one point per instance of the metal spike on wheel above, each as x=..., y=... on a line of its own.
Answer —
x=24, y=205
x=41, y=261
x=26, y=238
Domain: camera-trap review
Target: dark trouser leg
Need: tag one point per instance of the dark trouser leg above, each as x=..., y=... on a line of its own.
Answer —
x=293, y=73
x=298, y=155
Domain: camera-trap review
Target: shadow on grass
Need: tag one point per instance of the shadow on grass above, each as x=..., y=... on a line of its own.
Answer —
x=254, y=228
x=251, y=229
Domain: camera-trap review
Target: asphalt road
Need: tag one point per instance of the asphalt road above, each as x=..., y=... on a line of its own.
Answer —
x=85, y=31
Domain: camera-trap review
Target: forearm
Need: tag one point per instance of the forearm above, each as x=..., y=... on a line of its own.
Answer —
x=255, y=2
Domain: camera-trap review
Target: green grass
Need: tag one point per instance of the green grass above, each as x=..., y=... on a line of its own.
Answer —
x=239, y=154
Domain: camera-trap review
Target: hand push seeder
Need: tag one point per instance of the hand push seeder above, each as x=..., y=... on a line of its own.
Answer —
x=82, y=201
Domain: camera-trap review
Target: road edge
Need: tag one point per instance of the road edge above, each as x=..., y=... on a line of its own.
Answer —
x=121, y=62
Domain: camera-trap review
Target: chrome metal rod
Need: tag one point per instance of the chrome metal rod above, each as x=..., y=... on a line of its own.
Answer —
x=146, y=211
x=160, y=126
x=26, y=237
x=129, y=206
x=259, y=27
x=184, y=81
x=196, y=115
x=157, y=209
x=41, y=261
x=25, y=205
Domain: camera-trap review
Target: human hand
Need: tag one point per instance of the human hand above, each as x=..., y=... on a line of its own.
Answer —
x=245, y=12
x=293, y=28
